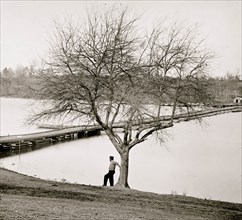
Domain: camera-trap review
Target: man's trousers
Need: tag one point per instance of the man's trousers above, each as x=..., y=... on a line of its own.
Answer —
x=109, y=176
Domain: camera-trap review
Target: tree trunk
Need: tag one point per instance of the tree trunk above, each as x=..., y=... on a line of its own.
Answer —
x=124, y=170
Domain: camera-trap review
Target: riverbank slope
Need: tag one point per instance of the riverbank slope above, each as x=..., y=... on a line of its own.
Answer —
x=24, y=197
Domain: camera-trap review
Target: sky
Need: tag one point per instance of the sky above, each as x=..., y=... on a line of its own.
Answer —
x=26, y=26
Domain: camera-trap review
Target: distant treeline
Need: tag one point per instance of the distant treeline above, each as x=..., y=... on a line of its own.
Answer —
x=21, y=82
x=226, y=88
x=18, y=82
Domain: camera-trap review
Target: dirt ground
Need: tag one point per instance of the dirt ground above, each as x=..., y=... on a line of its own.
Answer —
x=24, y=197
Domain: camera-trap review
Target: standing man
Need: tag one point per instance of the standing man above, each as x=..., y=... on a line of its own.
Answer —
x=111, y=172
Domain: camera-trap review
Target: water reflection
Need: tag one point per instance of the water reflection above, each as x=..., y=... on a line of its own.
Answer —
x=27, y=148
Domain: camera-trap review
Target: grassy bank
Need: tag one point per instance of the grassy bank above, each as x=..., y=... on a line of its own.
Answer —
x=24, y=197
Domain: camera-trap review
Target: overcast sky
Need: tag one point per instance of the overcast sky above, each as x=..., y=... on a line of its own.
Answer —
x=26, y=26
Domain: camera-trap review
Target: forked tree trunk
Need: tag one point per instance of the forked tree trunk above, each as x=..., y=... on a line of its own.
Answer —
x=124, y=170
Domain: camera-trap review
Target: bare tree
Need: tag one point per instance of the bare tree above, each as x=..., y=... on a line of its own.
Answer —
x=178, y=66
x=106, y=73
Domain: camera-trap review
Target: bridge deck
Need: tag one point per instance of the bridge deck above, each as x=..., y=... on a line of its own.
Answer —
x=48, y=134
x=92, y=129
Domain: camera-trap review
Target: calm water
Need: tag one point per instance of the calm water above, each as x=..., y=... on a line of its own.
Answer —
x=201, y=161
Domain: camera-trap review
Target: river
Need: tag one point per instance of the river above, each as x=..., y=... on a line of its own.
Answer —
x=194, y=160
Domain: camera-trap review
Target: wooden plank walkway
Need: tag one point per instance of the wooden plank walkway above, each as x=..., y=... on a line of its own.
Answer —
x=84, y=131
x=48, y=134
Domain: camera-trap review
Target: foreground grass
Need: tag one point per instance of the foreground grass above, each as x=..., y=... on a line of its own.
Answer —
x=24, y=197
